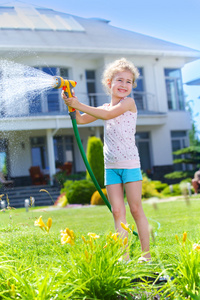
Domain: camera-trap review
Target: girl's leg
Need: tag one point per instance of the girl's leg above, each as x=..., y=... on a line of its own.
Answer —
x=133, y=193
x=116, y=197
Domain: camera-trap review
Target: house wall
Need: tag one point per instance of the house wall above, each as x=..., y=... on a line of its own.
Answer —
x=159, y=127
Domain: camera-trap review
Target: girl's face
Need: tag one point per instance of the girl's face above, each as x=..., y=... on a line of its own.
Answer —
x=121, y=84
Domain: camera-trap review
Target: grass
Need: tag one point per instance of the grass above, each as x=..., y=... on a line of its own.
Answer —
x=34, y=264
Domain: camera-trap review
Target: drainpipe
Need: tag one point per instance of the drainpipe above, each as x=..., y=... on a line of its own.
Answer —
x=51, y=155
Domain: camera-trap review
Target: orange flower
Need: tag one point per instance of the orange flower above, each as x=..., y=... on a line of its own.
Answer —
x=184, y=237
x=196, y=246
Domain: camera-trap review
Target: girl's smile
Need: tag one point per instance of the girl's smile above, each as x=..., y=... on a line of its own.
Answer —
x=121, y=85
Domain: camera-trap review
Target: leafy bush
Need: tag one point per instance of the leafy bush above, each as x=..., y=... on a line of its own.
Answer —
x=96, y=198
x=95, y=159
x=159, y=186
x=78, y=191
x=148, y=188
x=61, y=177
x=172, y=190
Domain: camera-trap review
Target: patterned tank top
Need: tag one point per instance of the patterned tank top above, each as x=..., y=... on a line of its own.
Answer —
x=120, y=151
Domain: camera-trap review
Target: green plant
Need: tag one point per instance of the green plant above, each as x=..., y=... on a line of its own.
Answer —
x=96, y=198
x=185, y=269
x=149, y=189
x=189, y=156
x=172, y=190
x=78, y=191
x=159, y=186
x=95, y=159
x=97, y=270
x=61, y=177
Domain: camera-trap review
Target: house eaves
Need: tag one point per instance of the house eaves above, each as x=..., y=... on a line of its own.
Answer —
x=41, y=30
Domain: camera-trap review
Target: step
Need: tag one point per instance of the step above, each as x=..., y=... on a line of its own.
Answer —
x=17, y=195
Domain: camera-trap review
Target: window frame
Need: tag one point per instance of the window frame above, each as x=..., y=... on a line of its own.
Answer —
x=179, y=103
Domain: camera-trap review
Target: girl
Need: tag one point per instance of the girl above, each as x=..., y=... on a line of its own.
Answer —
x=122, y=163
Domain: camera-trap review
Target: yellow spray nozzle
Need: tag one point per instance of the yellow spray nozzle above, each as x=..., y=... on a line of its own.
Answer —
x=66, y=85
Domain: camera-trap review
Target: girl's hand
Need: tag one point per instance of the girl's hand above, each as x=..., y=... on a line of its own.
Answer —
x=72, y=102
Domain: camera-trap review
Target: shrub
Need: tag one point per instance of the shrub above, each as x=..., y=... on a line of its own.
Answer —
x=159, y=186
x=95, y=159
x=96, y=198
x=172, y=190
x=61, y=177
x=78, y=191
x=148, y=188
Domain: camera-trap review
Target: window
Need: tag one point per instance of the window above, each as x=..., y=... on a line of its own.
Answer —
x=179, y=140
x=63, y=149
x=91, y=88
x=174, y=88
x=49, y=101
x=38, y=152
x=143, y=144
x=138, y=92
x=52, y=94
x=3, y=157
x=2, y=105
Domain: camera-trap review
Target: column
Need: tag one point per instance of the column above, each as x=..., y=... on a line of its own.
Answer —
x=51, y=155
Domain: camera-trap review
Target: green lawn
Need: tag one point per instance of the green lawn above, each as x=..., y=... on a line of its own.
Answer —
x=174, y=217
x=32, y=259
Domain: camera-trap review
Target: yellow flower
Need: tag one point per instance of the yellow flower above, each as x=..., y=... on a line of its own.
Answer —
x=106, y=245
x=40, y=223
x=70, y=232
x=67, y=236
x=184, y=237
x=125, y=227
x=93, y=235
x=114, y=236
x=1, y=196
x=49, y=223
x=196, y=246
x=12, y=292
x=83, y=238
x=176, y=237
x=125, y=241
x=86, y=254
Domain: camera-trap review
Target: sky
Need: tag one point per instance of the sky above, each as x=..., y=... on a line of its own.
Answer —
x=176, y=21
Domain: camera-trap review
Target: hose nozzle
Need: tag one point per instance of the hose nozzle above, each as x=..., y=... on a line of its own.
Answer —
x=66, y=85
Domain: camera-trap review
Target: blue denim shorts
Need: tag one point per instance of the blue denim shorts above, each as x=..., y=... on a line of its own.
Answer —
x=115, y=176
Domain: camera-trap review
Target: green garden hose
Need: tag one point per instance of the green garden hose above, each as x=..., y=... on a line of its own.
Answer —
x=77, y=136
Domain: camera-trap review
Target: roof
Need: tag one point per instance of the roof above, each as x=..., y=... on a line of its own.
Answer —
x=24, y=26
x=194, y=82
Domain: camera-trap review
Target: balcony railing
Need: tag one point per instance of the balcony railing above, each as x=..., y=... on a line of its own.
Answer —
x=145, y=102
x=52, y=104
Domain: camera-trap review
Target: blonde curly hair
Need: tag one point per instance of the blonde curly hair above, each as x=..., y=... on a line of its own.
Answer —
x=119, y=65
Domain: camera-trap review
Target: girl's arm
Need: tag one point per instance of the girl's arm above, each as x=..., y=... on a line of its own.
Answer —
x=80, y=118
x=84, y=118
x=99, y=112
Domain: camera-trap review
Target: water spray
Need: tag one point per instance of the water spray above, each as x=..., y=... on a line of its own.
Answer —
x=67, y=86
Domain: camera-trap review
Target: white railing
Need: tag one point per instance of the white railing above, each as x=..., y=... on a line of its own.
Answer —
x=145, y=103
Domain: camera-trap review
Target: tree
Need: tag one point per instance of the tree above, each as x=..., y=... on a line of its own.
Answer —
x=96, y=159
x=191, y=154
x=191, y=157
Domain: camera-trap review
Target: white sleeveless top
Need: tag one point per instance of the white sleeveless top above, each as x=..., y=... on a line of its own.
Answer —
x=120, y=151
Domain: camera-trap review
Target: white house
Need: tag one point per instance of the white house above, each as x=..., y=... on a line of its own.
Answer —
x=40, y=133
